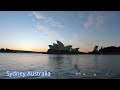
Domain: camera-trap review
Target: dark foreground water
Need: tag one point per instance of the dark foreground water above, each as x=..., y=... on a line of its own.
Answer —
x=61, y=66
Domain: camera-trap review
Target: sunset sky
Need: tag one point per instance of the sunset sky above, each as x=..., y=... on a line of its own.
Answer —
x=35, y=30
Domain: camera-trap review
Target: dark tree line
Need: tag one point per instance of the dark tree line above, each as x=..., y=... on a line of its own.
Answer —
x=106, y=50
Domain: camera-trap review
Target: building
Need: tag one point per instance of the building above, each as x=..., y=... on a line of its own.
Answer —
x=60, y=47
x=68, y=48
x=75, y=50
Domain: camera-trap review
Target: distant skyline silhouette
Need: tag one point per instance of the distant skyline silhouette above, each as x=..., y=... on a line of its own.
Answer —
x=111, y=50
x=34, y=31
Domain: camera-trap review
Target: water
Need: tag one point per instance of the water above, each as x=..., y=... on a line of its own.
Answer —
x=61, y=66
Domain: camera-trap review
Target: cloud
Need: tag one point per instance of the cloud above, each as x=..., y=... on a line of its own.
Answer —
x=95, y=20
x=33, y=20
x=52, y=34
x=47, y=26
x=46, y=30
x=100, y=18
x=89, y=22
x=38, y=15
x=47, y=20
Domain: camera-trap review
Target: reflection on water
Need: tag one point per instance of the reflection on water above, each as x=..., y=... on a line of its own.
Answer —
x=56, y=62
x=62, y=66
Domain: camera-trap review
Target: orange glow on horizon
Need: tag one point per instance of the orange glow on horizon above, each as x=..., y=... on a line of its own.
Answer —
x=85, y=49
x=42, y=49
x=34, y=49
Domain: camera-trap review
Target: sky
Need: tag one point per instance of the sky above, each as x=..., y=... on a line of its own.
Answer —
x=35, y=30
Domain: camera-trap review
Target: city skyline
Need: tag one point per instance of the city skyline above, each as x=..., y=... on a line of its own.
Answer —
x=35, y=30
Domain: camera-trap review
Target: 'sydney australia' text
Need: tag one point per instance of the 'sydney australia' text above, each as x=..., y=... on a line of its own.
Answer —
x=28, y=73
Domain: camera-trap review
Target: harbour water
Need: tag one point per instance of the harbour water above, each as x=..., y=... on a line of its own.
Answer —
x=61, y=66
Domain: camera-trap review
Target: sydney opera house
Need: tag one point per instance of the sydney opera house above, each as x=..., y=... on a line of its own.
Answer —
x=61, y=48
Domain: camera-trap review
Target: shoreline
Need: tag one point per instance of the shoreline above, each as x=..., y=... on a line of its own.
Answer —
x=64, y=53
